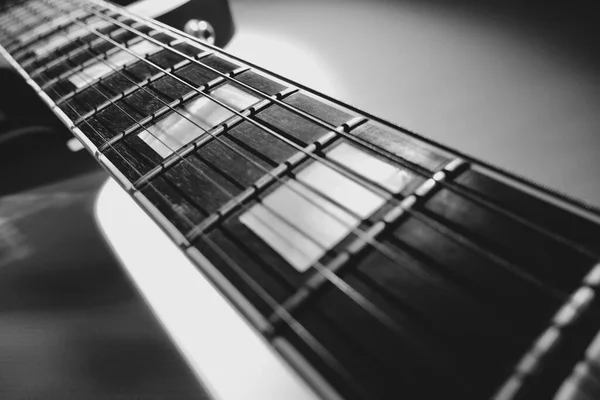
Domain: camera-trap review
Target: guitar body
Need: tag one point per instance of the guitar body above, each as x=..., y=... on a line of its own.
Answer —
x=496, y=114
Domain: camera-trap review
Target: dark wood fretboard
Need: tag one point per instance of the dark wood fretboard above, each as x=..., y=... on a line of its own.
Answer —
x=387, y=264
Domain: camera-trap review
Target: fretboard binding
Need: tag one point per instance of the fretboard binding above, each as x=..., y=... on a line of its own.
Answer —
x=295, y=110
x=374, y=186
x=209, y=96
x=426, y=190
x=379, y=190
x=287, y=106
x=583, y=205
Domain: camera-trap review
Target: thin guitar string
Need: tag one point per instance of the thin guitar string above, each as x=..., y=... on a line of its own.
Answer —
x=410, y=165
x=219, y=139
x=385, y=250
x=294, y=324
x=439, y=227
x=448, y=185
x=132, y=119
x=359, y=299
x=498, y=260
x=86, y=121
x=342, y=286
x=137, y=85
x=453, y=235
x=355, y=296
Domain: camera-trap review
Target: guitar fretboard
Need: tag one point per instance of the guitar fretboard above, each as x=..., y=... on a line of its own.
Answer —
x=385, y=263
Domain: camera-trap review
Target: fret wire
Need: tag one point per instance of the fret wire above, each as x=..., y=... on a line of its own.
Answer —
x=338, y=282
x=413, y=167
x=326, y=273
x=265, y=96
x=362, y=234
x=438, y=227
x=459, y=154
x=45, y=34
x=288, y=318
x=374, y=186
x=335, y=280
x=147, y=81
x=383, y=249
x=74, y=52
x=62, y=58
x=84, y=64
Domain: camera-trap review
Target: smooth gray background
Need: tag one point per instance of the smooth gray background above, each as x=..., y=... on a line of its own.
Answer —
x=513, y=83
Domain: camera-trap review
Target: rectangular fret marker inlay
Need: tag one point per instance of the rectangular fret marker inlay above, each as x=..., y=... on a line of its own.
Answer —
x=191, y=121
x=302, y=225
x=115, y=60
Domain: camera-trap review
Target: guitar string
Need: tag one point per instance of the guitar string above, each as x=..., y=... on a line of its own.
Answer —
x=580, y=204
x=86, y=121
x=437, y=226
x=347, y=290
x=299, y=330
x=303, y=233
x=475, y=197
x=453, y=235
x=380, y=247
x=369, y=308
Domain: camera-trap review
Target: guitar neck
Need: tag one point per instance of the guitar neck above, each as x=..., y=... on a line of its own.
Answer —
x=379, y=263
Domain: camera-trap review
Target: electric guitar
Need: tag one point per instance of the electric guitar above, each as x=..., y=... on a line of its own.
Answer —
x=366, y=261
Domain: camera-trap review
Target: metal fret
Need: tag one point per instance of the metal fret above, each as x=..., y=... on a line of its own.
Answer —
x=272, y=176
x=277, y=293
x=367, y=238
x=531, y=366
x=372, y=185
